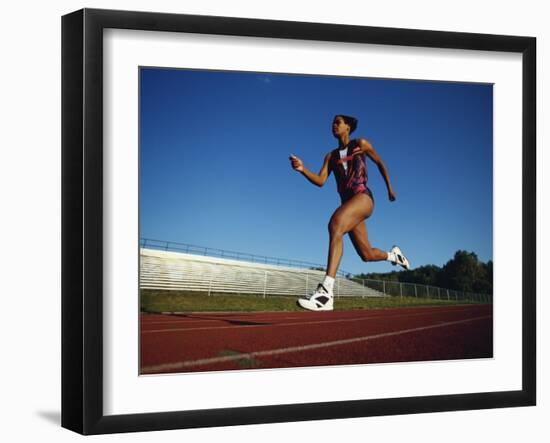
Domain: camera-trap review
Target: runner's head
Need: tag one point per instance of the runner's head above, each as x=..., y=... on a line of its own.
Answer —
x=342, y=124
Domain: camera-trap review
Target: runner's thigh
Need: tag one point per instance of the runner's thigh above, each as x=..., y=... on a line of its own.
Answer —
x=351, y=213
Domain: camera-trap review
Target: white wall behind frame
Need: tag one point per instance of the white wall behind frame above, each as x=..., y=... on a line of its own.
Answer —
x=30, y=189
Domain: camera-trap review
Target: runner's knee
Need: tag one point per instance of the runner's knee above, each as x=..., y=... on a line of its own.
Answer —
x=336, y=227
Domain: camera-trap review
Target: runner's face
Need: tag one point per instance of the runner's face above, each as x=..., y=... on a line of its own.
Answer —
x=339, y=126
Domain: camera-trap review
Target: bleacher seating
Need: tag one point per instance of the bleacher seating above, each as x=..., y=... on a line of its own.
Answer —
x=189, y=272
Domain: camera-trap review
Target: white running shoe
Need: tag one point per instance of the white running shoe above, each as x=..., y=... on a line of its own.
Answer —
x=320, y=300
x=401, y=260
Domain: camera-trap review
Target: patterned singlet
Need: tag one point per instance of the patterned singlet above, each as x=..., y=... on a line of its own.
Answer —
x=353, y=179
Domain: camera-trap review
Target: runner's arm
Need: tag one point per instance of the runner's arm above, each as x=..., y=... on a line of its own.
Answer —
x=317, y=179
x=367, y=148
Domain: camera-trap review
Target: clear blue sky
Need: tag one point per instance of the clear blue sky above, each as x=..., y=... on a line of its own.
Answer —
x=214, y=168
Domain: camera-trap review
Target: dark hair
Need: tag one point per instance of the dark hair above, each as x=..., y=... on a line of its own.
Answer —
x=350, y=121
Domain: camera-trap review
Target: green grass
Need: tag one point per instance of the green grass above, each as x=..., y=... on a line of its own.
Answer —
x=180, y=301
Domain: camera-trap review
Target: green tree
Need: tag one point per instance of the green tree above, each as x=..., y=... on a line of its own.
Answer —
x=464, y=272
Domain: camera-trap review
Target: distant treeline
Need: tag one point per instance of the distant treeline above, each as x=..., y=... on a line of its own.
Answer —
x=464, y=272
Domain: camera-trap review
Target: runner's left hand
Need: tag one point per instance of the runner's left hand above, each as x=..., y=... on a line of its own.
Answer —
x=391, y=195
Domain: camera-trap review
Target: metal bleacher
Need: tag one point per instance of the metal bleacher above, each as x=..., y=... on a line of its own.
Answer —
x=168, y=270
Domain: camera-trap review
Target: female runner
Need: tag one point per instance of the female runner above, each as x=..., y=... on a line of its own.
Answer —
x=350, y=171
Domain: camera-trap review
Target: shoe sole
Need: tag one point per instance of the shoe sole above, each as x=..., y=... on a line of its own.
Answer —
x=313, y=308
x=407, y=266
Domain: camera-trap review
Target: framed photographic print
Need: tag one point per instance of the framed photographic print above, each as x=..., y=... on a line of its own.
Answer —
x=269, y=221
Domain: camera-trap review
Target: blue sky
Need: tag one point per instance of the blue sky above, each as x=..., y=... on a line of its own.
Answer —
x=214, y=168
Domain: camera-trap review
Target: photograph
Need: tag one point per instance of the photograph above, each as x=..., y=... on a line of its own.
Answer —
x=295, y=218
x=300, y=220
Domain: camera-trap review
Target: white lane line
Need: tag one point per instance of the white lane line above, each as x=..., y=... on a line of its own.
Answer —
x=221, y=319
x=192, y=317
x=183, y=320
x=268, y=316
x=317, y=322
x=251, y=355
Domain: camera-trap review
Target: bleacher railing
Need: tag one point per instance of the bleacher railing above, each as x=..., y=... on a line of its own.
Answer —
x=163, y=245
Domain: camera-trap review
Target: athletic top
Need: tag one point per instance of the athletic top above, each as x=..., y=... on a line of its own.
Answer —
x=344, y=153
x=352, y=179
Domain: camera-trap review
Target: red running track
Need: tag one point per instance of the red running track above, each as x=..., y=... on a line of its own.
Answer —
x=198, y=342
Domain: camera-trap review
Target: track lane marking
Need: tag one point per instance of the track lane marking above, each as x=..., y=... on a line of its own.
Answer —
x=260, y=316
x=219, y=316
x=220, y=319
x=204, y=328
x=252, y=355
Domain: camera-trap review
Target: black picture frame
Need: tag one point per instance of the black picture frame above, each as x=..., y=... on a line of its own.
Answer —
x=82, y=218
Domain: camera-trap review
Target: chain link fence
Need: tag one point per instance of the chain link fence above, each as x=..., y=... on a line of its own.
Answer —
x=402, y=289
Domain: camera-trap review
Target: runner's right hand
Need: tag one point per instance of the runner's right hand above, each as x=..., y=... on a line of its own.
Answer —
x=296, y=163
